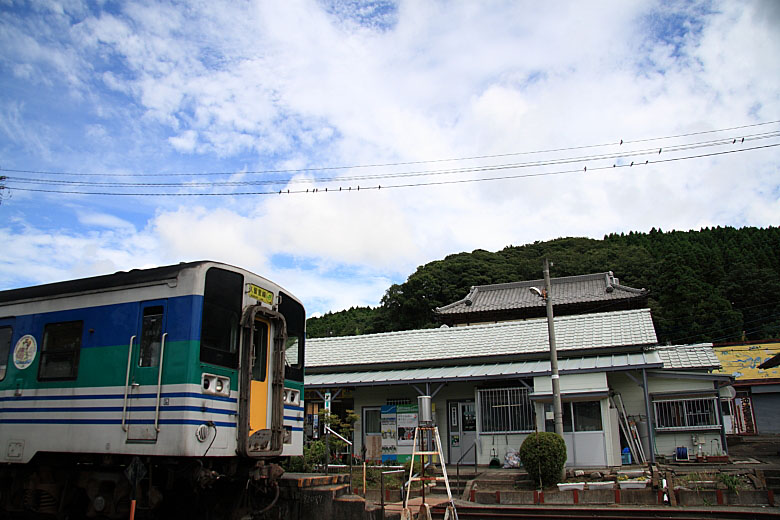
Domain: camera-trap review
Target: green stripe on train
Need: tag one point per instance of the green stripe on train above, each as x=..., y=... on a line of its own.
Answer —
x=107, y=366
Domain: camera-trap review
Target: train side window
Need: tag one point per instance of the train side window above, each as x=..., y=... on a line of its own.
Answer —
x=151, y=334
x=60, y=350
x=222, y=300
x=5, y=349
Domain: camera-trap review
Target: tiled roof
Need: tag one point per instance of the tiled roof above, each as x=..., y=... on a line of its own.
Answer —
x=683, y=357
x=524, y=338
x=492, y=371
x=566, y=290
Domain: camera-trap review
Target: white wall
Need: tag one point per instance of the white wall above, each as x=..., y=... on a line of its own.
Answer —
x=634, y=402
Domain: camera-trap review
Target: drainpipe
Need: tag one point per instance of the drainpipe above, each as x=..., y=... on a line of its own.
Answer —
x=723, y=446
x=650, y=417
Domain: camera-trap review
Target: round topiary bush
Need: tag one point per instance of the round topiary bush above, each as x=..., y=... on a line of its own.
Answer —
x=543, y=455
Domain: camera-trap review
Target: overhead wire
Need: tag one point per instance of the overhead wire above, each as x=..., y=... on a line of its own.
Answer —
x=288, y=180
x=403, y=163
x=408, y=185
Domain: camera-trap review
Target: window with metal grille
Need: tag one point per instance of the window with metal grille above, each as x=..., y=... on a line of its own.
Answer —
x=505, y=410
x=402, y=400
x=686, y=414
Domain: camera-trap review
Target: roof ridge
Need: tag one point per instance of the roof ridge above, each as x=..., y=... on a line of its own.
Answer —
x=530, y=283
x=629, y=289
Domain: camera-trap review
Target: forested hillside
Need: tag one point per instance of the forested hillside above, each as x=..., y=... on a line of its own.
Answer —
x=711, y=285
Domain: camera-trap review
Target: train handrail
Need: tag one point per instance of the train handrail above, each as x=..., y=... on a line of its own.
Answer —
x=159, y=383
x=457, y=464
x=127, y=383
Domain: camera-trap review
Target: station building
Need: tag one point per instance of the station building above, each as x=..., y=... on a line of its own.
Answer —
x=487, y=370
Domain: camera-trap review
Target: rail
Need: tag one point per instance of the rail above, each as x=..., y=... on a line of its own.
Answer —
x=382, y=486
x=328, y=430
x=457, y=464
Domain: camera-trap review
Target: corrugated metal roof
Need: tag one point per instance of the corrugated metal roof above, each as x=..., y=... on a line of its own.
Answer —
x=576, y=332
x=635, y=360
x=682, y=357
x=565, y=290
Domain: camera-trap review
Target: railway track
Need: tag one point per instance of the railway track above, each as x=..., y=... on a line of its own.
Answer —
x=568, y=512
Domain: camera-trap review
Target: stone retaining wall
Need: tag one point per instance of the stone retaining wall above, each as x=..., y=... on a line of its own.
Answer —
x=624, y=497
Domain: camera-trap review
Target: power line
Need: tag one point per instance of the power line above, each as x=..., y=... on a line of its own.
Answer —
x=284, y=181
x=408, y=185
x=406, y=163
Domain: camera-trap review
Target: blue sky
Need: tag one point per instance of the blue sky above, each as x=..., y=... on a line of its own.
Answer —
x=213, y=92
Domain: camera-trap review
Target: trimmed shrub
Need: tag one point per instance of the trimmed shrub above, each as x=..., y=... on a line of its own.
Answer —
x=543, y=455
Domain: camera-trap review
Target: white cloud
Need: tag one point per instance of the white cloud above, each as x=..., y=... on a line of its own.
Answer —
x=263, y=86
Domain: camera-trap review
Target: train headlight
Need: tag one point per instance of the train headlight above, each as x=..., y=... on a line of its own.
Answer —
x=215, y=385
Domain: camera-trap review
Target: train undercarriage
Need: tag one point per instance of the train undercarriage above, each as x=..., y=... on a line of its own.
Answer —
x=58, y=486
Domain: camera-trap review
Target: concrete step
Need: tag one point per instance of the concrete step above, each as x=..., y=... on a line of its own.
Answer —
x=354, y=507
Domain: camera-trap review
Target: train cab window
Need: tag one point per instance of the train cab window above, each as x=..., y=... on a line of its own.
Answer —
x=60, y=350
x=222, y=299
x=295, y=317
x=151, y=334
x=5, y=349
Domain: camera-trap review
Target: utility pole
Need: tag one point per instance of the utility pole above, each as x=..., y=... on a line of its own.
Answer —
x=556, y=382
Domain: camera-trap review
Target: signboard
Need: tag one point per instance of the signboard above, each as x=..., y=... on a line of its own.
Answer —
x=260, y=294
x=742, y=361
x=406, y=420
x=388, y=425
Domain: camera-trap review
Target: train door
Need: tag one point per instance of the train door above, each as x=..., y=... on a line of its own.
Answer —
x=6, y=334
x=261, y=393
x=145, y=372
x=258, y=384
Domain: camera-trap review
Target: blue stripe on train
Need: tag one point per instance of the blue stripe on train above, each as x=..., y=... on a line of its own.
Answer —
x=166, y=408
x=118, y=396
x=193, y=422
x=113, y=325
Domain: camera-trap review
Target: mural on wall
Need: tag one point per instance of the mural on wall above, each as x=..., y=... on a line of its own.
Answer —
x=742, y=361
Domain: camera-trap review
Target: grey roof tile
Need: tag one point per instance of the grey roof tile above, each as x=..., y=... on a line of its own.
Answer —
x=575, y=332
x=682, y=357
x=565, y=290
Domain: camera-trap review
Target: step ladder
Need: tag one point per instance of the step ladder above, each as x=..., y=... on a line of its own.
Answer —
x=422, y=435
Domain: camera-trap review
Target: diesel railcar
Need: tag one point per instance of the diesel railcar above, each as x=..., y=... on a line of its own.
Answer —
x=179, y=386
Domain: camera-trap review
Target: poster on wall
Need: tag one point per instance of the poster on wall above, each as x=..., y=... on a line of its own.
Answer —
x=388, y=423
x=406, y=420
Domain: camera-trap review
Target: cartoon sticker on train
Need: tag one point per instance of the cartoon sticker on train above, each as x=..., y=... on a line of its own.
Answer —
x=190, y=372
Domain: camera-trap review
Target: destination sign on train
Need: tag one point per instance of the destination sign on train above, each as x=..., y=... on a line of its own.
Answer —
x=260, y=294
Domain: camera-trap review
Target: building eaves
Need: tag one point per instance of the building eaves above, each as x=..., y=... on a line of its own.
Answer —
x=485, y=372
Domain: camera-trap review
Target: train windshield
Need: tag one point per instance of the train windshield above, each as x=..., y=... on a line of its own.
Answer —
x=220, y=327
x=295, y=317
